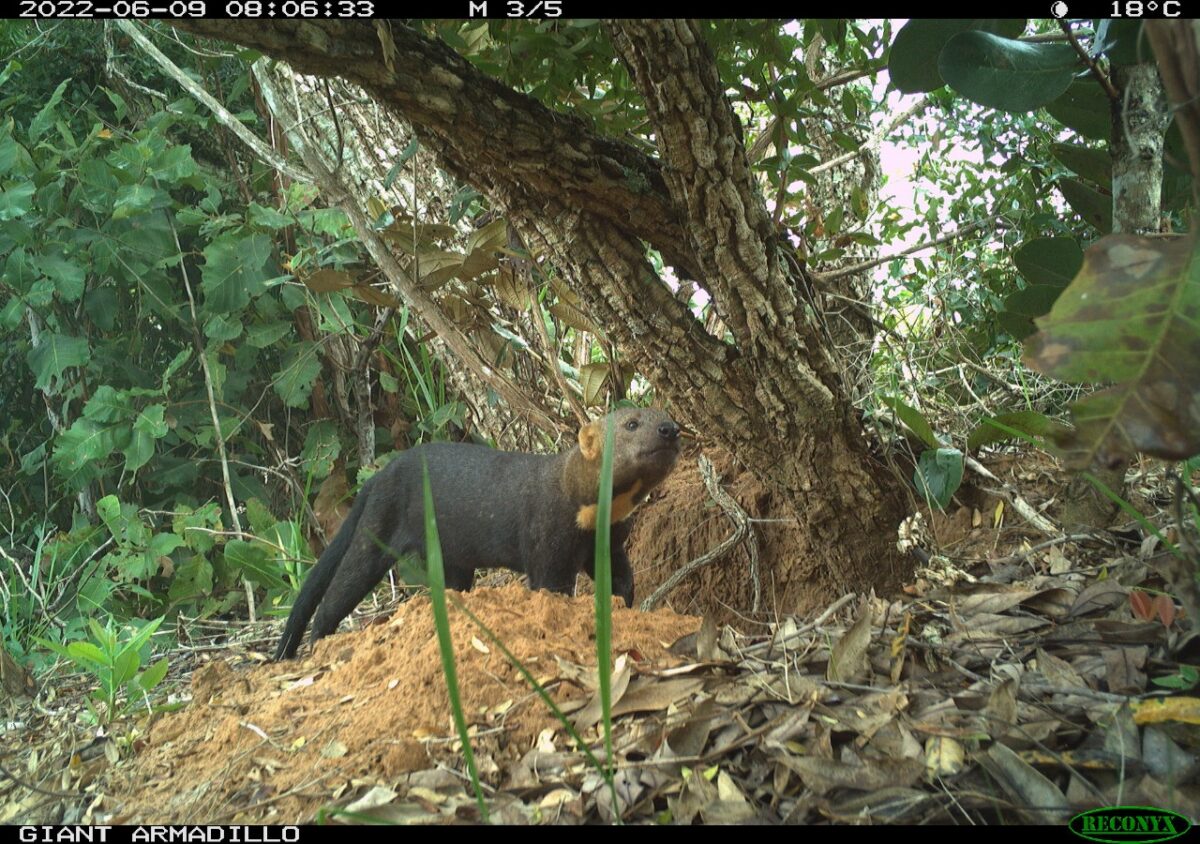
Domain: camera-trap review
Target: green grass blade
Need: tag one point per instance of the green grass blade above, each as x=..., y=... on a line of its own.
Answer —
x=603, y=577
x=441, y=621
x=537, y=687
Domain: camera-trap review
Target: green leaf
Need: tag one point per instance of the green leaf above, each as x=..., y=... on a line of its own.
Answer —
x=125, y=666
x=992, y=428
x=15, y=201
x=912, y=419
x=912, y=62
x=100, y=303
x=261, y=336
x=53, y=356
x=173, y=165
x=219, y=329
x=1049, y=260
x=1006, y=74
x=132, y=200
x=1094, y=207
x=109, y=510
x=15, y=159
x=1129, y=319
x=46, y=117
x=162, y=544
x=234, y=270
x=255, y=562
x=88, y=655
x=193, y=579
x=268, y=218
x=1119, y=40
x=293, y=383
x=108, y=405
x=1085, y=108
x=174, y=366
x=148, y=427
x=1095, y=165
x=938, y=475
x=142, y=636
x=153, y=675
x=321, y=448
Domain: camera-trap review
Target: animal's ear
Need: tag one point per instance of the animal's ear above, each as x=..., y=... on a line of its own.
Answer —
x=591, y=441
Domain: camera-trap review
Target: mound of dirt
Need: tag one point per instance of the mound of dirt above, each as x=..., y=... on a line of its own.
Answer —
x=275, y=743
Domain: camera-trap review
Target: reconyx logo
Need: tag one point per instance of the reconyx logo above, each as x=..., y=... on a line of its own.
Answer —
x=1123, y=824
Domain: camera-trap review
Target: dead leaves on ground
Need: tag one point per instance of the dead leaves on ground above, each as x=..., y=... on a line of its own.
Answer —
x=1018, y=699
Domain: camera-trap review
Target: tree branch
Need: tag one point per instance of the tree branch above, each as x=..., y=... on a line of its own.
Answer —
x=485, y=134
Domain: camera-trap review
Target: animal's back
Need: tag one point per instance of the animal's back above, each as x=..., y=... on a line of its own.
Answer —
x=486, y=501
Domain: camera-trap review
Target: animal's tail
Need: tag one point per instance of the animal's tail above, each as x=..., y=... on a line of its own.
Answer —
x=318, y=581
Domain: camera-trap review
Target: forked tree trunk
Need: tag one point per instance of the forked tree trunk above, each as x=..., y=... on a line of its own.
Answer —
x=768, y=391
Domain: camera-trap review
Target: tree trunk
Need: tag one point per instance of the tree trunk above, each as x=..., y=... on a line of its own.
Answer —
x=1139, y=120
x=768, y=391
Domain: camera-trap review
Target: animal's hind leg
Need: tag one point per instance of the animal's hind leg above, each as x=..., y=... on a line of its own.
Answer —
x=364, y=565
x=462, y=581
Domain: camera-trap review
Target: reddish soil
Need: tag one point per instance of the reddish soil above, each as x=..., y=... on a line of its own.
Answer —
x=274, y=743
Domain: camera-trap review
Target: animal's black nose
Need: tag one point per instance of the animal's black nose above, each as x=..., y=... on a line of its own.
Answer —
x=668, y=430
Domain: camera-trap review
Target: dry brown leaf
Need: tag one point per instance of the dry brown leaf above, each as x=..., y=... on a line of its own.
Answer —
x=1025, y=786
x=848, y=660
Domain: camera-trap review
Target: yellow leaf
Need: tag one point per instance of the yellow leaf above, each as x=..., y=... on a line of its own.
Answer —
x=1185, y=710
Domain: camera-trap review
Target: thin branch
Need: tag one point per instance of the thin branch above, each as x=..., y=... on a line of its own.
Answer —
x=741, y=531
x=223, y=116
x=1023, y=507
x=875, y=137
x=1100, y=75
x=222, y=455
x=875, y=262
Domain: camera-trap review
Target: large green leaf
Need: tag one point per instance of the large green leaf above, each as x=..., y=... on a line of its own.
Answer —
x=293, y=383
x=912, y=61
x=234, y=270
x=80, y=447
x=15, y=201
x=45, y=118
x=1049, y=260
x=1118, y=38
x=1095, y=165
x=938, y=475
x=1132, y=319
x=13, y=157
x=1095, y=207
x=1047, y=264
x=253, y=561
x=1007, y=74
x=1085, y=108
x=67, y=275
x=55, y=353
x=148, y=427
x=994, y=429
x=108, y=404
x=913, y=419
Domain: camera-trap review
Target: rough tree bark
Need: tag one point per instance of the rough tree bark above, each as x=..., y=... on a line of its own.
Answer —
x=770, y=394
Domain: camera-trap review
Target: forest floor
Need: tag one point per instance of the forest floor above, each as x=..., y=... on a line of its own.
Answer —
x=1019, y=676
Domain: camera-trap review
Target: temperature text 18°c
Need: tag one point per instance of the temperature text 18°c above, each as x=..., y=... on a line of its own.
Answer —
x=1143, y=8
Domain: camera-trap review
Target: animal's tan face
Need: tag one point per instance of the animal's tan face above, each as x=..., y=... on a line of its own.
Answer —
x=645, y=449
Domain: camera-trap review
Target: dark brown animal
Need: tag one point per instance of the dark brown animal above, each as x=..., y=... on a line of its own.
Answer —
x=533, y=513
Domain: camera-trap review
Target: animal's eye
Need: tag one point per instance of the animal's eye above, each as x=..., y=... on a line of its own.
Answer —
x=631, y=425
